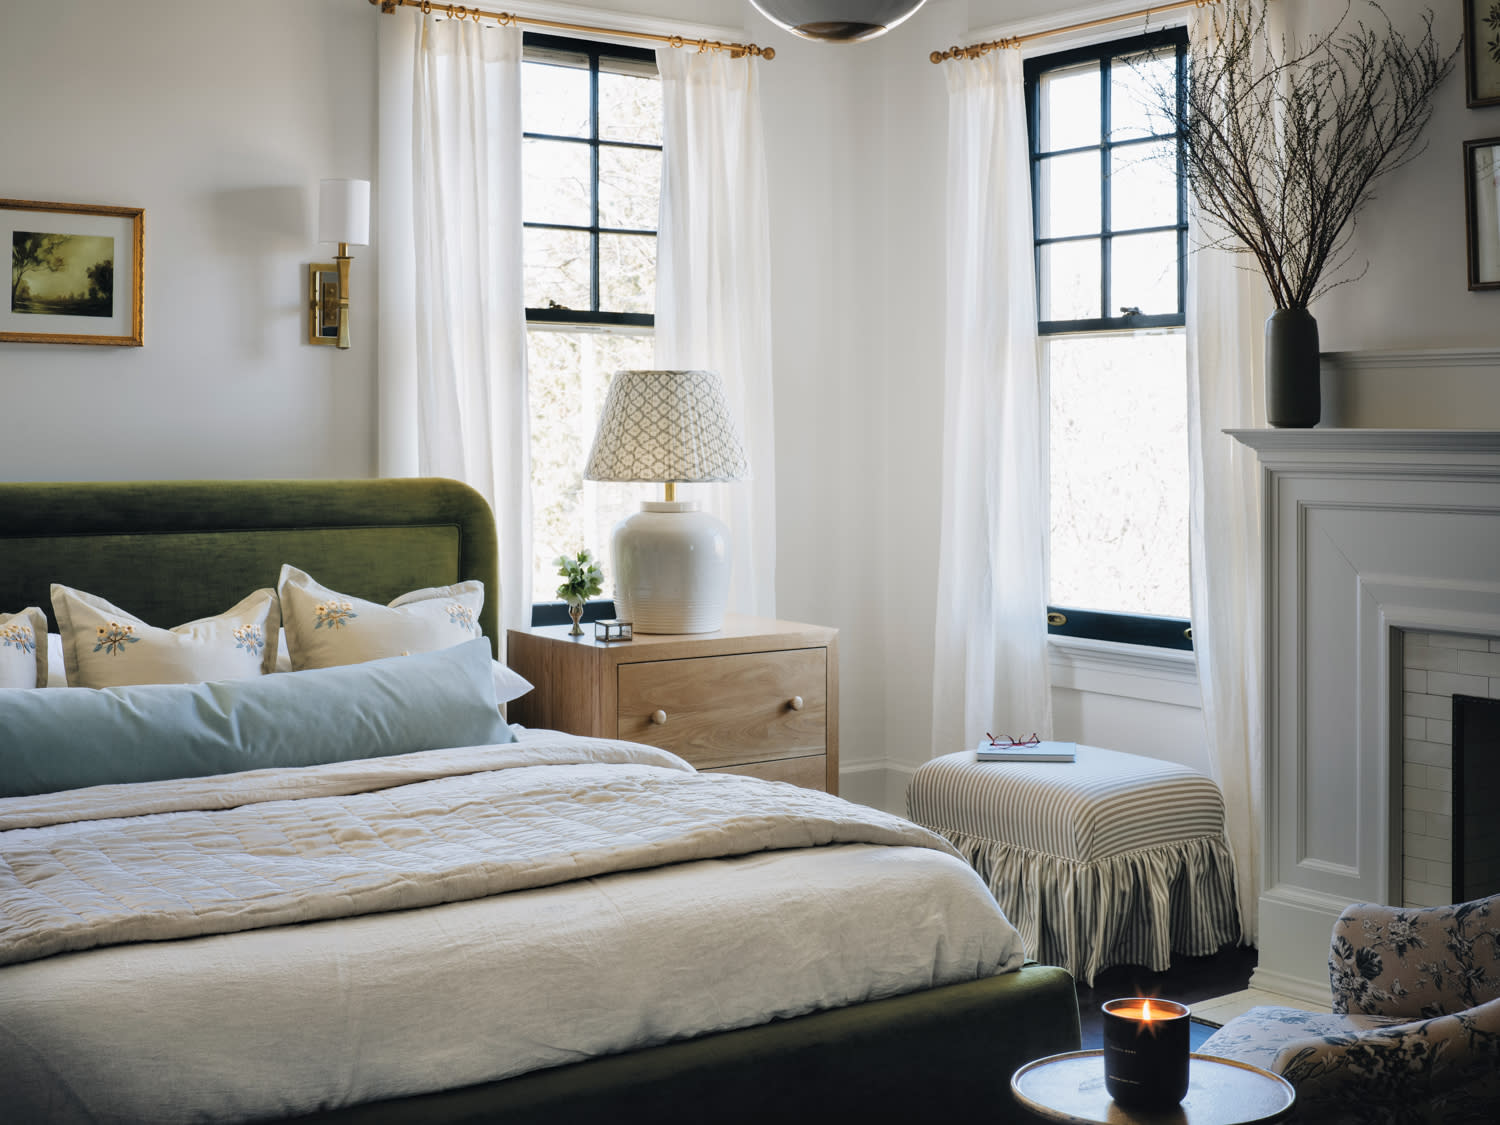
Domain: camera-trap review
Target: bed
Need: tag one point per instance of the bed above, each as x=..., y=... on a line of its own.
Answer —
x=416, y=1010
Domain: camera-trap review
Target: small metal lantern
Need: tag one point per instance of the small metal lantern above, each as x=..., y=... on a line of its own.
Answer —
x=606, y=629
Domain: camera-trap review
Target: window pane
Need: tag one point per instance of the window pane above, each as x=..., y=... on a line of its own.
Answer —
x=1143, y=272
x=557, y=269
x=1119, y=489
x=630, y=108
x=568, y=375
x=1070, y=194
x=629, y=187
x=1070, y=107
x=1069, y=281
x=1136, y=82
x=555, y=183
x=555, y=99
x=1143, y=186
x=627, y=273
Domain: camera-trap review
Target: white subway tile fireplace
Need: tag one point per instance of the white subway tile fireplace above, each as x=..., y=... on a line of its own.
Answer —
x=1435, y=667
x=1382, y=560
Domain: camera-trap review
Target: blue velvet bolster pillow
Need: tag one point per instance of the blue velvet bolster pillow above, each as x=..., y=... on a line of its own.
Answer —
x=69, y=738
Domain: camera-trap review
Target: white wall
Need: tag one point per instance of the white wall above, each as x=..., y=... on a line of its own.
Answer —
x=219, y=118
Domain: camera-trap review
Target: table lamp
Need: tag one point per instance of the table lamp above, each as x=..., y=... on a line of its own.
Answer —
x=671, y=559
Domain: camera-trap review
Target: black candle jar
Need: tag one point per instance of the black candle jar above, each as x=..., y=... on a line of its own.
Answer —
x=1145, y=1052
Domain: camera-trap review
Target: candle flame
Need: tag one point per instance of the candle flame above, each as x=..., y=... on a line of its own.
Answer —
x=1146, y=1011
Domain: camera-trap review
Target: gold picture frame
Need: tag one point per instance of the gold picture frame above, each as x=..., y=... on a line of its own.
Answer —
x=77, y=273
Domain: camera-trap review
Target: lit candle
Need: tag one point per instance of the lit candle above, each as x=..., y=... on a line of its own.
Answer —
x=1145, y=1051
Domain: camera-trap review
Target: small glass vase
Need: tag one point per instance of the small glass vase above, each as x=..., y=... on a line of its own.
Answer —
x=575, y=612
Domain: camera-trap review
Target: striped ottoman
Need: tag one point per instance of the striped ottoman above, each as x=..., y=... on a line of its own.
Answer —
x=1112, y=859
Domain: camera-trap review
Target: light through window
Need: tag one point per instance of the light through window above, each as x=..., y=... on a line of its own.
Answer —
x=1111, y=241
x=591, y=164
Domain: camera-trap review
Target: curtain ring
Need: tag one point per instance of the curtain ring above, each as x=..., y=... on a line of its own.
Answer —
x=427, y=7
x=674, y=41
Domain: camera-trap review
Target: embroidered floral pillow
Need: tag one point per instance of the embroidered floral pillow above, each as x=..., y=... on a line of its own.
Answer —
x=325, y=628
x=23, y=649
x=104, y=646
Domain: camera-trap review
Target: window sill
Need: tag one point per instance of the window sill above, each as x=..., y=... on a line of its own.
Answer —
x=1156, y=675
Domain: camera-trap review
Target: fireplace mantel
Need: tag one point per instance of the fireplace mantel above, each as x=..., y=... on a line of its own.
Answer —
x=1356, y=448
x=1367, y=534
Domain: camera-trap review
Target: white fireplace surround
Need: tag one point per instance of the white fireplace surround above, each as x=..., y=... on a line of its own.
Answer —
x=1367, y=534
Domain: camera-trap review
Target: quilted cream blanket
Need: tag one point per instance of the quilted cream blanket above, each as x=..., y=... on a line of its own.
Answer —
x=177, y=859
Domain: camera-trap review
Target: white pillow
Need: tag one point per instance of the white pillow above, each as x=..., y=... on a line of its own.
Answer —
x=323, y=628
x=509, y=685
x=57, y=673
x=104, y=646
x=23, y=660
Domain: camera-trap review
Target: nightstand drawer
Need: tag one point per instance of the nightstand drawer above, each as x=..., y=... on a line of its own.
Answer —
x=810, y=772
x=728, y=710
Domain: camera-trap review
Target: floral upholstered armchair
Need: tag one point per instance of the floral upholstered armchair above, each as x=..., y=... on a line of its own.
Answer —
x=1415, y=1034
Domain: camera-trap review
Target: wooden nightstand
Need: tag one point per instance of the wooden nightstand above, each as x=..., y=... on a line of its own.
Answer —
x=758, y=697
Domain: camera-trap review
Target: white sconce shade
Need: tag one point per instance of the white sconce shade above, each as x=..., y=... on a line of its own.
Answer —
x=837, y=21
x=344, y=211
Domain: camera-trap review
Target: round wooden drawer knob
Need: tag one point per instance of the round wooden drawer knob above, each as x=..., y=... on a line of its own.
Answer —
x=658, y=717
x=796, y=703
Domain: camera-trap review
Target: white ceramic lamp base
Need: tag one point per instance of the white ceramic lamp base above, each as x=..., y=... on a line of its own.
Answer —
x=671, y=568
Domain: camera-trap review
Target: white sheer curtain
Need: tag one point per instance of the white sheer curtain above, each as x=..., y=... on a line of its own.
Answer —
x=713, y=284
x=453, y=383
x=991, y=655
x=1226, y=311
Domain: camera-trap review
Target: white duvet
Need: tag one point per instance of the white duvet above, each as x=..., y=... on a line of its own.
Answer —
x=173, y=1010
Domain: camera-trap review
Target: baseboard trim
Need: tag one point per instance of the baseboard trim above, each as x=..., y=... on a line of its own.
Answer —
x=1298, y=988
x=880, y=784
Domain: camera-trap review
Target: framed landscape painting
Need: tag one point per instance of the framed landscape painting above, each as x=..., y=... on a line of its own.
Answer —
x=75, y=273
x=1482, y=52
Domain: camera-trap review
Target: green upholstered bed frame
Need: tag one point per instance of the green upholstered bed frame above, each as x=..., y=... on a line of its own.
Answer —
x=173, y=551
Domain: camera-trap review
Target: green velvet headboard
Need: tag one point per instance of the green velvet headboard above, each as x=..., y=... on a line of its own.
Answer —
x=174, y=551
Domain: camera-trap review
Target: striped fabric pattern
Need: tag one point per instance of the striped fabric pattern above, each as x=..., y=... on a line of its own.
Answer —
x=1111, y=859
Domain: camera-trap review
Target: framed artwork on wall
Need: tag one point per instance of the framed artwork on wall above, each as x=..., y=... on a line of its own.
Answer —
x=1482, y=52
x=1482, y=198
x=75, y=273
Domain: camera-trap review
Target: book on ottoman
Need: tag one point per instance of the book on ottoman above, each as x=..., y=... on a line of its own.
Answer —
x=1045, y=751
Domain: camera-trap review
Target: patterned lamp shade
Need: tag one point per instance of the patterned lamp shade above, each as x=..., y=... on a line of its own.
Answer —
x=667, y=426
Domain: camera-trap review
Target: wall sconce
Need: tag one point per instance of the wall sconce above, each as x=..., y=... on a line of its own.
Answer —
x=343, y=217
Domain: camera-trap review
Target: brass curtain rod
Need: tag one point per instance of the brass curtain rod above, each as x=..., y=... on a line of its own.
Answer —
x=507, y=19
x=978, y=49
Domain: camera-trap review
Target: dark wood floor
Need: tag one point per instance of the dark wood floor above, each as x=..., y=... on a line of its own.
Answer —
x=1190, y=980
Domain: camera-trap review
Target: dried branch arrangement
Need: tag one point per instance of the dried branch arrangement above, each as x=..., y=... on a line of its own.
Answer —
x=1283, y=142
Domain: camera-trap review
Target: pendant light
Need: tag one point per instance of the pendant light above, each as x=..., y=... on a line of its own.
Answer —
x=837, y=21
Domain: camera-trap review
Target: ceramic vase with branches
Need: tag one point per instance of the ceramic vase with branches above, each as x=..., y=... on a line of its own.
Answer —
x=1283, y=142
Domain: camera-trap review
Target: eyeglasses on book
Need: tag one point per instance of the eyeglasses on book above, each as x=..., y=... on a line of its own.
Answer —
x=1005, y=740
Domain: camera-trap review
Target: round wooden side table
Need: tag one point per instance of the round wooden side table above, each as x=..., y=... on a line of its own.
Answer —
x=1070, y=1088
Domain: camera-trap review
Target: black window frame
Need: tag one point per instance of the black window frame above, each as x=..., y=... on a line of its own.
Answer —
x=1093, y=624
x=553, y=611
x=595, y=51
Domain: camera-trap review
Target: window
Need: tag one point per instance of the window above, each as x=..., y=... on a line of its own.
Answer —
x=591, y=114
x=1110, y=214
